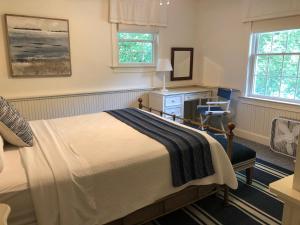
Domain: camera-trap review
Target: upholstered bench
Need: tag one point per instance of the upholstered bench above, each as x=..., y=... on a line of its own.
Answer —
x=243, y=158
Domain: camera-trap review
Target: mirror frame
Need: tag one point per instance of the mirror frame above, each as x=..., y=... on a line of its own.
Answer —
x=173, y=50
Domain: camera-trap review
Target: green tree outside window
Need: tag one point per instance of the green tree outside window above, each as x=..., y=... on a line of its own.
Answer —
x=136, y=48
x=277, y=65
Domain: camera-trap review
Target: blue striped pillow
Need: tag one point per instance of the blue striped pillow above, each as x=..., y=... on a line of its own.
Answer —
x=13, y=127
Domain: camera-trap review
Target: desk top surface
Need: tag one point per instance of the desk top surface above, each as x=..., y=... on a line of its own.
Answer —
x=284, y=189
x=182, y=90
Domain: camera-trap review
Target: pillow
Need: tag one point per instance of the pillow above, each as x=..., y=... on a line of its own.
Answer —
x=1, y=154
x=13, y=127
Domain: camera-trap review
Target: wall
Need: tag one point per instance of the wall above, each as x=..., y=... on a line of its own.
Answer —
x=213, y=27
x=91, y=55
x=223, y=43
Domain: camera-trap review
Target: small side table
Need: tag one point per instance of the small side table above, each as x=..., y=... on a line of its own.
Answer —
x=283, y=188
x=4, y=212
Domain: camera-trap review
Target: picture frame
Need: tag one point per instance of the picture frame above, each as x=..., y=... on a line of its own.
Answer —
x=182, y=60
x=38, y=46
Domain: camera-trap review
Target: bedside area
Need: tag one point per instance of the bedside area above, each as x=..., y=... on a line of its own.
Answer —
x=4, y=212
x=291, y=198
x=288, y=190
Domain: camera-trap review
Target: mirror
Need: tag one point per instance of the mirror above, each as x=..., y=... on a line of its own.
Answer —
x=182, y=63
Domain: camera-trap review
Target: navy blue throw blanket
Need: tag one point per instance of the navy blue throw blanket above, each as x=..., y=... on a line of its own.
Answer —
x=189, y=151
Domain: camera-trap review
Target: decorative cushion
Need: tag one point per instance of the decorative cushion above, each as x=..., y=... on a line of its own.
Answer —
x=240, y=153
x=1, y=154
x=13, y=127
x=224, y=93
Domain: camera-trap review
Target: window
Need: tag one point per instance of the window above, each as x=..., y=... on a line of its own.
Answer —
x=274, y=65
x=136, y=49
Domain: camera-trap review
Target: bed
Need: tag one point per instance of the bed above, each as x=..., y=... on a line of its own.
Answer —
x=101, y=168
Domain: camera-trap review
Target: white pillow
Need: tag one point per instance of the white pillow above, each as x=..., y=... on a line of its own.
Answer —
x=1, y=154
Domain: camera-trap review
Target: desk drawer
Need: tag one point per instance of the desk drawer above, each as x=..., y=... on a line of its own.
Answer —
x=204, y=95
x=193, y=96
x=174, y=111
x=173, y=100
x=189, y=97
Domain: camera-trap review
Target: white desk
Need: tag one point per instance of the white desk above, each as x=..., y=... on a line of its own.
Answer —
x=172, y=102
x=284, y=190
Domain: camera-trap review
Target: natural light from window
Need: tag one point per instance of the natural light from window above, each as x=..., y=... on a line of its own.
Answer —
x=136, y=48
x=275, y=70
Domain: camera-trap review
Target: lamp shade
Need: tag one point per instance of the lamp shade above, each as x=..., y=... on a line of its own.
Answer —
x=164, y=65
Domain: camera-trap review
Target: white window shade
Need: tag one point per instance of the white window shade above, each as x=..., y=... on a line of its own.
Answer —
x=137, y=29
x=285, y=23
x=138, y=12
x=255, y=10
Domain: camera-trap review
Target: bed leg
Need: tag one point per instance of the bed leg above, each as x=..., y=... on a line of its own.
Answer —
x=249, y=175
x=226, y=195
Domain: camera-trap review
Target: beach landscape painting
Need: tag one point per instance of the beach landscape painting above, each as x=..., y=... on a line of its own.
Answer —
x=38, y=47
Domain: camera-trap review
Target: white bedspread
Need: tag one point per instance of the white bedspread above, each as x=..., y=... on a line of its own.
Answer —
x=92, y=169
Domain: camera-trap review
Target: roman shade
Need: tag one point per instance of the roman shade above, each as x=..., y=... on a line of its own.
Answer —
x=137, y=28
x=138, y=12
x=277, y=24
x=255, y=10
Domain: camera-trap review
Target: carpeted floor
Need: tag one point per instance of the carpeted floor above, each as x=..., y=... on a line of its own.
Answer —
x=249, y=204
x=264, y=152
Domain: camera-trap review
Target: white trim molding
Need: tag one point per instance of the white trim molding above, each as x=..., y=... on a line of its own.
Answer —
x=252, y=136
x=50, y=107
x=268, y=103
x=254, y=117
x=72, y=104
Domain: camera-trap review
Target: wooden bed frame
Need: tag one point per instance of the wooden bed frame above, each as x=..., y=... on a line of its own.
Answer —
x=184, y=197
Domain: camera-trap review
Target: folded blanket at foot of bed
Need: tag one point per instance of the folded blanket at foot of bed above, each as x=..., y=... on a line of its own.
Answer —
x=189, y=150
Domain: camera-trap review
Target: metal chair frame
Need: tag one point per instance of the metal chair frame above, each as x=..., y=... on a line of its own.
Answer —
x=220, y=101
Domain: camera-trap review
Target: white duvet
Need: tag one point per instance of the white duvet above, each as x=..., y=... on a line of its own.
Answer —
x=93, y=169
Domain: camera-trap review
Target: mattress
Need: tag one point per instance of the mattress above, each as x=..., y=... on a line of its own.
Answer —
x=130, y=170
x=14, y=189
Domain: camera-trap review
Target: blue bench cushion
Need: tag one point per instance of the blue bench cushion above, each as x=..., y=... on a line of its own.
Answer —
x=240, y=153
x=202, y=110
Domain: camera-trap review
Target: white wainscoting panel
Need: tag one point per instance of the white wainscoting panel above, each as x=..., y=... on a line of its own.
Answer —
x=69, y=105
x=254, y=120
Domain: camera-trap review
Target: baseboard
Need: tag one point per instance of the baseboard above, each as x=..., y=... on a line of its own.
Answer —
x=252, y=136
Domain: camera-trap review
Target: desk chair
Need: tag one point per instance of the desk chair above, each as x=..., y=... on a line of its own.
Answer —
x=218, y=108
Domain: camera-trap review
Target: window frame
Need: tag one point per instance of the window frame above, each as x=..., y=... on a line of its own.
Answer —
x=132, y=67
x=154, y=49
x=251, y=70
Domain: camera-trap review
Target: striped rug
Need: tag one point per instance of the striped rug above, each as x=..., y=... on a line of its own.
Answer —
x=249, y=204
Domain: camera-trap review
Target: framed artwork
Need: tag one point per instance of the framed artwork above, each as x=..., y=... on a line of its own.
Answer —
x=37, y=46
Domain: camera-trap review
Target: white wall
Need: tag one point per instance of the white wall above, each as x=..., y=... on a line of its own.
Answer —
x=223, y=43
x=91, y=55
x=223, y=37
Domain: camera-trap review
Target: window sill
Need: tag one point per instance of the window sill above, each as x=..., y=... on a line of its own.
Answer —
x=133, y=69
x=269, y=103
